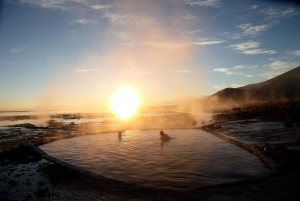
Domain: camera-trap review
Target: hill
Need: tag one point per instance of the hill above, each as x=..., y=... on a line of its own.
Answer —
x=284, y=86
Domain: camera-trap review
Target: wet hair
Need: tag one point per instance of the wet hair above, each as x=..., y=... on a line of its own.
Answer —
x=161, y=133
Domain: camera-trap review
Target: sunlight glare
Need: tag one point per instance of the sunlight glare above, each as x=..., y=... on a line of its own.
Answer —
x=125, y=102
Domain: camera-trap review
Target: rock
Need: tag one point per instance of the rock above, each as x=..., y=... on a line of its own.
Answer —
x=12, y=183
x=42, y=192
x=41, y=183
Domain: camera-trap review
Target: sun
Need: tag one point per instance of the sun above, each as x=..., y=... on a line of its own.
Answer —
x=125, y=102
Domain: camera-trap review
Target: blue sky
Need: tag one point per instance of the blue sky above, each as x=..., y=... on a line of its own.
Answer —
x=79, y=52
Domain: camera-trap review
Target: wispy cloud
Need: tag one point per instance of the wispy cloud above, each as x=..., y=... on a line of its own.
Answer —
x=277, y=67
x=250, y=48
x=275, y=13
x=249, y=30
x=244, y=66
x=253, y=7
x=18, y=49
x=296, y=53
x=101, y=7
x=206, y=3
x=237, y=85
x=219, y=87
x=222, y=70
x=66, y=4
x=165, y=72
x=129, y=19
x=205, y=41
x=88, y=70
x=81, y=21
x=190, y=32
x=232, y=71
x=226, y=71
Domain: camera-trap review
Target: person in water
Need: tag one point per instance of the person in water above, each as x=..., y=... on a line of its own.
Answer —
x=164, y=137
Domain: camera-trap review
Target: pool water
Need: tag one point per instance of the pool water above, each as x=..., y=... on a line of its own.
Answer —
x=191, y=159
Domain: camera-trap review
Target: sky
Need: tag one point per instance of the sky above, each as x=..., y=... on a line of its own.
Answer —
x=78, y=53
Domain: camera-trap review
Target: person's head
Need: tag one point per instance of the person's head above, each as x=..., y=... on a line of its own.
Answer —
x=161, y=133
x=119, y=133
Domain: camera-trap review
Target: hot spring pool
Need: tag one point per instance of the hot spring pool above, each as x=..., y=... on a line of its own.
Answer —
x=193, y=159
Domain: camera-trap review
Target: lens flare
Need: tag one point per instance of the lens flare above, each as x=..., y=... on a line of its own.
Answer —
x=125, y=102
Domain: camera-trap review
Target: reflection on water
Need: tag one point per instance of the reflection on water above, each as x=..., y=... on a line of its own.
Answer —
x=193, y=159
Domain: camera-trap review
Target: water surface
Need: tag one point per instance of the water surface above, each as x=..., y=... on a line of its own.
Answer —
x=193, y=159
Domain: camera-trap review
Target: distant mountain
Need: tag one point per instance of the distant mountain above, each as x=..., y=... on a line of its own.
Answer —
x=284, y=86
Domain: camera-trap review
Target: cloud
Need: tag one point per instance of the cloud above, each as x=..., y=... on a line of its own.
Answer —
x=253, y=7
x=190, y=32
x=88, y=70
x=208, y=42
x=219, y=87
x=296, y=53
x=250, y=48
x=223, y=70
x=66, y=4
x=227, y=71
x=275, y=13
x=259, y=51
x=128, y=19
x=164, y=72
x=244, y=66
x=206, y=3
x=250, y=30
x=81, y=21
x=18, y=49
x=101, y=7
x=278, y=67
x=237, y=85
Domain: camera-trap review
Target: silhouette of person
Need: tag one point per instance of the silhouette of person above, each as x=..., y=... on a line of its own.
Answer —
x=164, y=136
x=120, y=135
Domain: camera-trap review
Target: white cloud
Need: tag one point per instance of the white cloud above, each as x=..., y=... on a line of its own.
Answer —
x=277, y=67
x=275, y=13
x=18, y=49
x=222, y=70
x=88, y=70
x=219, y=87
x=101, y=7
x=190, y=32
x=259, y=51
x=232, y=71
x=237, y=85
x=206, y=3
x=250, y=30
x=164, y=72
x=129, y=19
x=296, y=53
x=250, y=47
x=245, y=46
x=244, y=66
x=254, y=7
x=81, y=21
x=66, y=4
x=209, y=42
